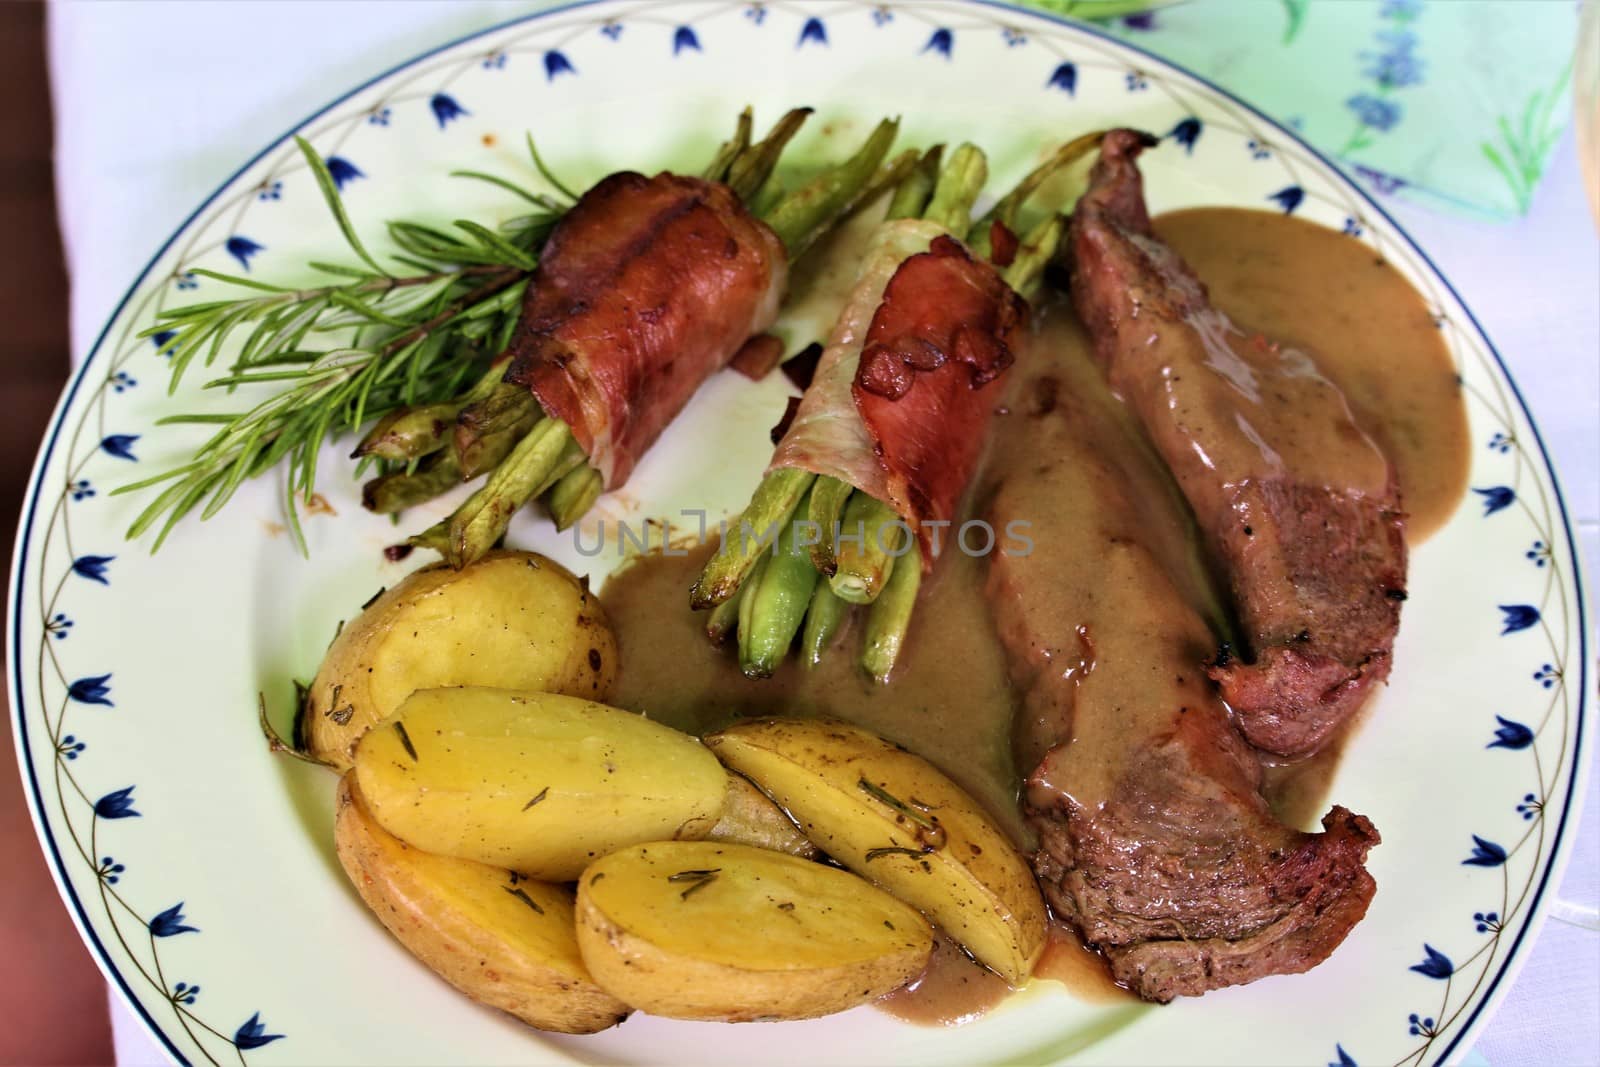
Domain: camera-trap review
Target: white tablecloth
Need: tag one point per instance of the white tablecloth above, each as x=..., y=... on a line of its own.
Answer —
x=157, y=103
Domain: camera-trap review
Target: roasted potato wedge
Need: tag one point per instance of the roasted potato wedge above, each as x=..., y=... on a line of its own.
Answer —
x=501, y=939
x=893, y=818
x=514, y=619
x=537, y=783
x=749, y=817
x=704, y=930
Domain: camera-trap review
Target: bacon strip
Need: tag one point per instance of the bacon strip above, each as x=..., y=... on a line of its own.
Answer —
x=901, y=397
x=645, y=289
x=758, y=356
x=948, y=327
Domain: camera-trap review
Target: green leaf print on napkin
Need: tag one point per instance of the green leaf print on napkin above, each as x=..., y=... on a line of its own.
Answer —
x=1295, y=11
x=1528, y=144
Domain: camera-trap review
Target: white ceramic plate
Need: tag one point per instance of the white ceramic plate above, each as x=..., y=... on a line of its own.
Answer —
x=200, y=869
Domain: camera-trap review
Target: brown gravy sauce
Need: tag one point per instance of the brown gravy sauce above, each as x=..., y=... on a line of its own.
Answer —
x=1316, y=290
x=953, y=989
x=1068, y=961
x=952, y=700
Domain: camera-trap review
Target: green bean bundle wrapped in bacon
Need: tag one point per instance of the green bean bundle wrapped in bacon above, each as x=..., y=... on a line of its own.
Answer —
x=888, y=435
x=645, y=288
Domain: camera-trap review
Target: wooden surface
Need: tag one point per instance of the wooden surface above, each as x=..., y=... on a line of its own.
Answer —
x=52, y=999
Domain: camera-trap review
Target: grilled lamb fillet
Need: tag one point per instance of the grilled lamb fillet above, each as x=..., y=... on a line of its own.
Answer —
x=1155, y=840
x=1299, y=508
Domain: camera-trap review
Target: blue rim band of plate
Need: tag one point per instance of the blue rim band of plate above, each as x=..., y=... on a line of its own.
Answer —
x=1558, y=853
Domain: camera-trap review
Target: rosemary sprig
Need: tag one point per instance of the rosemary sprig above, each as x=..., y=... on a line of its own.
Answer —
x=369, y=342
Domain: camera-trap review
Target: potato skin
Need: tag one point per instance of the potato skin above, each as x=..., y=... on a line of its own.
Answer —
x=734, y=933
x=960, y=869
x=537, y=783
x=466, y=923
x=749, y=817
x=513, y=619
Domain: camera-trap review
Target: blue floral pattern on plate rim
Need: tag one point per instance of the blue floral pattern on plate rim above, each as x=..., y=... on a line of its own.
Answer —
x=1073, y=48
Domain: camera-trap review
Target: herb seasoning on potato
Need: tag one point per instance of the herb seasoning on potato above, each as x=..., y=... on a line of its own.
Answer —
x=513, y=619
x=893, y=818
x=501, y=939
x=705, y=930
x=537, y=782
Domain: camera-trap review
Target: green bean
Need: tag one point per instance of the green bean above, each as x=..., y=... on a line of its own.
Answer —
x=409, y=433
x=571, y=459
x=770, y=507
x=779, y=601
x=572, y=497
x=803, y=215
x=767, y=197
x=826, y=509
x=911, y=195
x=482, y=521
x=888, y=178
x=889, y=618
x=390, y=494
x=438, y=537
x=1034, y=254
x=730, y=150
x=493, y=377
x=824, y=619
x=486, y=431
x=435, y=537
x=722, y=620
x=1007, y=209
x=750, y=168
x=957, y=190
x=870, y=536
x=747, y=600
